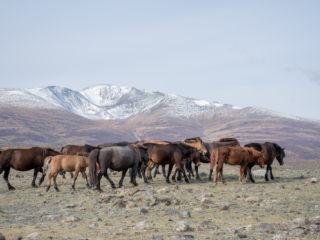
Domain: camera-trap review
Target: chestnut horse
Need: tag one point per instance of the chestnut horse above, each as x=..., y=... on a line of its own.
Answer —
x=24, y=160
x=68, y=163
x=272, y=150
x=236, y=156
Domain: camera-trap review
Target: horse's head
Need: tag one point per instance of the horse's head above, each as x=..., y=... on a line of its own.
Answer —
x=197, y=143
x=280, y=155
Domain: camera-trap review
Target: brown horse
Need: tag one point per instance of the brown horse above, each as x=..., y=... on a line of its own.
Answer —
x=24, y=160
x=68, y=163
x=72, y=149
x=196, y=143
x=236, y=156
x=271, y=150
x=172, y=154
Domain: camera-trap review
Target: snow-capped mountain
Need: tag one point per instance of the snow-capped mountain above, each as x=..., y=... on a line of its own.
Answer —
x=109, y=102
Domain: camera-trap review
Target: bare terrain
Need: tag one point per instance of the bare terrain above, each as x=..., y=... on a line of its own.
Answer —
x=285, y=208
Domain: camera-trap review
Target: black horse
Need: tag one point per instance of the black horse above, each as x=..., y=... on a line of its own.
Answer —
x=117, y=158
x=272, y=150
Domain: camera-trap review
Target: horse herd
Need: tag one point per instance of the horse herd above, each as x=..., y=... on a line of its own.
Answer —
x=140, y=157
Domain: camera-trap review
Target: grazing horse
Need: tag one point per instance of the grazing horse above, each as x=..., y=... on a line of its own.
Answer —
x=236, y=156
x=24, y=160
x=272, y=150
x=68, y=163
x=117, y=158
x=223, y=142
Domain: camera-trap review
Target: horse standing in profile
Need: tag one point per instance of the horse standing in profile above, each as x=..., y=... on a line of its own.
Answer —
x=117, y=158
x=271, y=150
x=68, y=163
x=236, y=156
x=24, y=160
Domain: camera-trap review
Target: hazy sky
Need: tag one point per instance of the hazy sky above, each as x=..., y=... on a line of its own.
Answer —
x=247, y=53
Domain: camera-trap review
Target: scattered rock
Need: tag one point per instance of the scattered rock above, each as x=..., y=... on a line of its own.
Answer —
x=50, y=218
x=205, y=200
x=157, y=237
x=120, y=203
x=241, y=234
x=253, y=199
x=300, y=221
x=72, y=219
x=120, y=229
x=224, y=206
x=267, y=227
x=314, y=228
x=297, y=232
x=207, y=225
x=34, y=235
x=203, y=174
x=181, y=237
x=311, y=180
x=315, y=220
x=182, y=226
x=279, y=237
x=163, y=190
x=166, y=200
x=186, y=214
x=171, y=211
x=71, y=205
x=143, y=210
x=105, y=198
x=142, y=225
x=130, y=204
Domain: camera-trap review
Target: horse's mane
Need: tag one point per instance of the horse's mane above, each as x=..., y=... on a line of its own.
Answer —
x=256, y=146
x=277, y=147
x=195, y=139
x=233, y=140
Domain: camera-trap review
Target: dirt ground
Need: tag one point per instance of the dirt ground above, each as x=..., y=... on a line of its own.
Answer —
x=285, y=208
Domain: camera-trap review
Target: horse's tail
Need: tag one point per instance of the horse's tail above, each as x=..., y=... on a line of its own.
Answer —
x=61, y=149
x=93, y=159
x=5, y=159
x=47, y=164
x=214, y=158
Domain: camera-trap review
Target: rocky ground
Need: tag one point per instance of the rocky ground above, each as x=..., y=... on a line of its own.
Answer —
x=285, y=208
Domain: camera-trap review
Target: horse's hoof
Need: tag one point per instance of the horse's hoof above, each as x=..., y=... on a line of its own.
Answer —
x=135, y=184
x=34, y=185
x=11, y=188
x=113, y=186
x=57, y=189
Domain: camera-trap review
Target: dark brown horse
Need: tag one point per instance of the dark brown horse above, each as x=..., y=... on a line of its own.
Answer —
x=272, y=150
x=236, y=156
x=172, y=154
x=24, y=160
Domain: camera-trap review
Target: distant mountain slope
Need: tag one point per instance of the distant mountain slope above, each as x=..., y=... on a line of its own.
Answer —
x=54, y=116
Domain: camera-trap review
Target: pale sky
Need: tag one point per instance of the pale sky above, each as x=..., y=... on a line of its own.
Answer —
x=246, y=53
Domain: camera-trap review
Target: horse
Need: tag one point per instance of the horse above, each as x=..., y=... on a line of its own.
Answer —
x=237, y=156
x=68, y=163
x=117, y=158
x=223, y=142
x=172, y=154
x=75, y=150
x=272, y=150
x=24, y=160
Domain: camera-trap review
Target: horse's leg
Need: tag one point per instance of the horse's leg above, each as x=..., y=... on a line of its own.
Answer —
x=169, y=172
x=266, y=175
x=75, y=176
x=210, y=174
x=55, y=181
x=215, y=174
x=71, y=174
x=42, y=177
x=221, y=175
x=156, y=170
x=49, y=181
x=35, y=174
x=134, y=175
x=271, y=174
x=242, y=168
x=84, y=175
x=164, y=170
x=100, y=174
x=184, y=173
x=6, y=178
x=197, y=172
x=173, y=178
x=110, y=181
x=148, y=169
x=123, y=175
